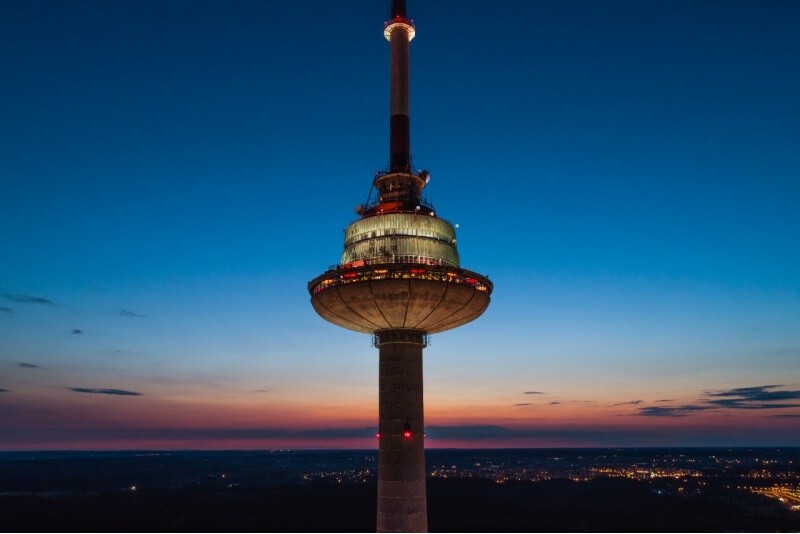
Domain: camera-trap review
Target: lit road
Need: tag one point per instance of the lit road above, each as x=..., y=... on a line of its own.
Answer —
x=785, y=495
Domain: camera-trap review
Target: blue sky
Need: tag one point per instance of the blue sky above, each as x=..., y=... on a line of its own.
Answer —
x=626, y=173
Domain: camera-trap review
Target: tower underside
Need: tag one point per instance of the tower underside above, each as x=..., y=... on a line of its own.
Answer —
x=389, y=296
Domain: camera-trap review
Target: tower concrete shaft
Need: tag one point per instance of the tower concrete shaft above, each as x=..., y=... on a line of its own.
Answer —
x=402, y=503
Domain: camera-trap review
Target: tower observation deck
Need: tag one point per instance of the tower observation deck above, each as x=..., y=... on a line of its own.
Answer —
x=399, y=278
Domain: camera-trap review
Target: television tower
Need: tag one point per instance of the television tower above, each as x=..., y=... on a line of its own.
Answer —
x=399, y=279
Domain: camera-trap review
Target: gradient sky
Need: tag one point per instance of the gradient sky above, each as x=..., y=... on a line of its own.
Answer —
x=173, y=173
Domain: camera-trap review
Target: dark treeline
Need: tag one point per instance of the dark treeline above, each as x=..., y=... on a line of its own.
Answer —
x=454, y=505
x=675, y=490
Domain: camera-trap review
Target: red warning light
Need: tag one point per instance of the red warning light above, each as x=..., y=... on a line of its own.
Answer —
x=407, y=431
x=378, y=435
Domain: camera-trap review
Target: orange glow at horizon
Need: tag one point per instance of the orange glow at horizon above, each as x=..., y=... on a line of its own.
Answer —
x=89, y=421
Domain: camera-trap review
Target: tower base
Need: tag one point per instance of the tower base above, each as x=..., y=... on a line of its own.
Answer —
x=402, y=500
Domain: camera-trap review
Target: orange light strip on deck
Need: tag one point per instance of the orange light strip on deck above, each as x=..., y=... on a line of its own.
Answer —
x=417, y=273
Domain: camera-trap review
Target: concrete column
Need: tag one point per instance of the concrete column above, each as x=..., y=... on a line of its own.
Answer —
x=402, y=503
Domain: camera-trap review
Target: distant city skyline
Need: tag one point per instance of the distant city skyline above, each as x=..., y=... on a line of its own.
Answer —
x=626, y=173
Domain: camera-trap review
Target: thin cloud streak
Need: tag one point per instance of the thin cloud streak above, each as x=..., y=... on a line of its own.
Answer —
x=26, y=365
x=672, y=411
x=27, y=299
x=745, y=392
x=746, y=398
x=106, y=391
x=755, y=398
x=211, y=439
x=463, y=432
